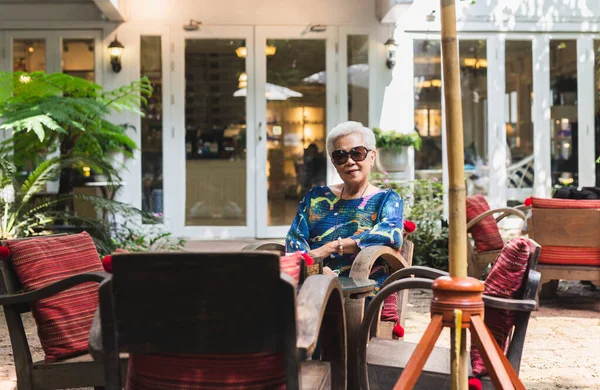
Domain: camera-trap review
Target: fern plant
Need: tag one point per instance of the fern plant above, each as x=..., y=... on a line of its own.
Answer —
x=396, y=140
x=23, y=213
x=46, y=111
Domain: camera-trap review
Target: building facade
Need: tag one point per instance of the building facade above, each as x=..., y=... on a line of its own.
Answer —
x=246, y=91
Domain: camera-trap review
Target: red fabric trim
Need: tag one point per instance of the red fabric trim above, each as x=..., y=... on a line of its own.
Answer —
x=568, y=255
x=192, y=371
x=63, y=320
x=485, y=233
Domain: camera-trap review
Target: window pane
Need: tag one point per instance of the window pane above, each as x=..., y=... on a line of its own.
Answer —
x=296, y=113
x=428, y=103
x=358, y=78
x=518, y=120
x=78, y=58
x=29, y=55
x=215, y=124
x=473, y=81
x=152, y=127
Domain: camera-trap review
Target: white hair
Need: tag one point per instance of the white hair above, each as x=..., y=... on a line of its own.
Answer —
x=347, y=128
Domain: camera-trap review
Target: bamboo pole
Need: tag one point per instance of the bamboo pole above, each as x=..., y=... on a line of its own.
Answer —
x=454, y=142
x=456, y=190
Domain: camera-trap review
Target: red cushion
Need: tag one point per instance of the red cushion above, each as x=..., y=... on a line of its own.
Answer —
x=545, y=203
x=190, y=372
x=568, y=255
x=485, y=233
x=505, y=279
x=63, y=320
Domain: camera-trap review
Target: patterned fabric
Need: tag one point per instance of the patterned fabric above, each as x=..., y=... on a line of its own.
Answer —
x=190, y=372
x=544, y=203
x=505, y=279
x=563, y=255
x=63, y=320
x=485, y=233
x=375, y=219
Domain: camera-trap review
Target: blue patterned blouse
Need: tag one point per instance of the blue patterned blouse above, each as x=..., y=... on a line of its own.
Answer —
x=322, y=217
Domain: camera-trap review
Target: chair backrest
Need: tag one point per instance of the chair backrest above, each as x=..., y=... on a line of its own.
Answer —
x=212, y=303
x=565, y=227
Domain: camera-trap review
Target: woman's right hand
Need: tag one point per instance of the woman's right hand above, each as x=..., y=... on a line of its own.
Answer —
x=323, y=252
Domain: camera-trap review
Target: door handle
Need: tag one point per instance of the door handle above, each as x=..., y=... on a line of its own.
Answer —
x=259, y=131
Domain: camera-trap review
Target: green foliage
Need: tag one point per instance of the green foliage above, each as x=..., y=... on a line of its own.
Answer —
x=396, y=140
x=424, y=205
x=23, y=213
x=149, y=238
x=46, y=111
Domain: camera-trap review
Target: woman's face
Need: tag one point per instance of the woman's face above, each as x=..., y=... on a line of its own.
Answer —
x=353, y=172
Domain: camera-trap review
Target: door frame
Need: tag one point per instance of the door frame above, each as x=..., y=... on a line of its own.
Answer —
x=262, y=33
x=174, y=146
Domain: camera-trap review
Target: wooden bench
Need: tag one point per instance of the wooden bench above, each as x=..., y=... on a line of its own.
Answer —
x=577, y=229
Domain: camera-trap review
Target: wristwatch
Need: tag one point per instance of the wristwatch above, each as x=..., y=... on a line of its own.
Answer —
x=340, y=247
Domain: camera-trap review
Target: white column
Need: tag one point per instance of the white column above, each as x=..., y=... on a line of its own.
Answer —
x=585, y=111
x=541, y=116
x=399, y=104
x=496, y=140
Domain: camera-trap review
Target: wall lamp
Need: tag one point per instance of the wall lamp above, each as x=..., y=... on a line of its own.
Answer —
x=116, y=51
x=390, y=48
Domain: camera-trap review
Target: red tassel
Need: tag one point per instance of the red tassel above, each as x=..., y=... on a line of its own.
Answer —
x=107, y=263
x=398, y=330
x=409, y=226
x=475, y=384
x=528, y=202
x=4, y=253
x=307, y=259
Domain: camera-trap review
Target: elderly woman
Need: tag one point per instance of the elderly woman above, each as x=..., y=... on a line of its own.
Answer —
x=335, y=222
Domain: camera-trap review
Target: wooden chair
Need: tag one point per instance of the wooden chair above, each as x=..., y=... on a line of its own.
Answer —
x=194, y=303
x=361, y=269
x=79, y=371
x=479, y=261
x=382, y=361
x=577, y=231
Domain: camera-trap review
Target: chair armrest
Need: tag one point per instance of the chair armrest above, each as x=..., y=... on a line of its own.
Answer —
x=265, y=246
x=362, y=264
x=510, y=304
x=416, y=271
x=320, y=302
x=506, y=211
x=52, y=289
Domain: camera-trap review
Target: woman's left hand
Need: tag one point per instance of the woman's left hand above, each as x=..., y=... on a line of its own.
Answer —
x=324, y=251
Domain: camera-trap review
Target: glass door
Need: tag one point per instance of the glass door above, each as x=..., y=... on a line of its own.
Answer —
x=211, y=136
x=295, y=106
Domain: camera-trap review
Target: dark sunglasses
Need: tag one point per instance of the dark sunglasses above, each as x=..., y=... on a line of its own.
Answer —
x=358, y=153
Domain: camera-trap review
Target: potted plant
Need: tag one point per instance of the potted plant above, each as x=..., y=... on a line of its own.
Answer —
x=392, y=149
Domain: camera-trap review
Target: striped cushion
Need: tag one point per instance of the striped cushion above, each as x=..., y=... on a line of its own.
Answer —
x=291, y=265
x=505, y=279
x=544, y=203
x=563, y=255
x=190, y=372
x=485, y=233
x=63, y=320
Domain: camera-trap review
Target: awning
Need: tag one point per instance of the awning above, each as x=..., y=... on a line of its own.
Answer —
x=81, y=10
x=389, y=11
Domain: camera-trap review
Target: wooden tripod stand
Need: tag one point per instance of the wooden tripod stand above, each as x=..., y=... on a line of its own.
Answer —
x=450, y=293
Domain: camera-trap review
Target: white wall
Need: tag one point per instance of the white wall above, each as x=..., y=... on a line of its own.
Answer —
x=510, y=15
